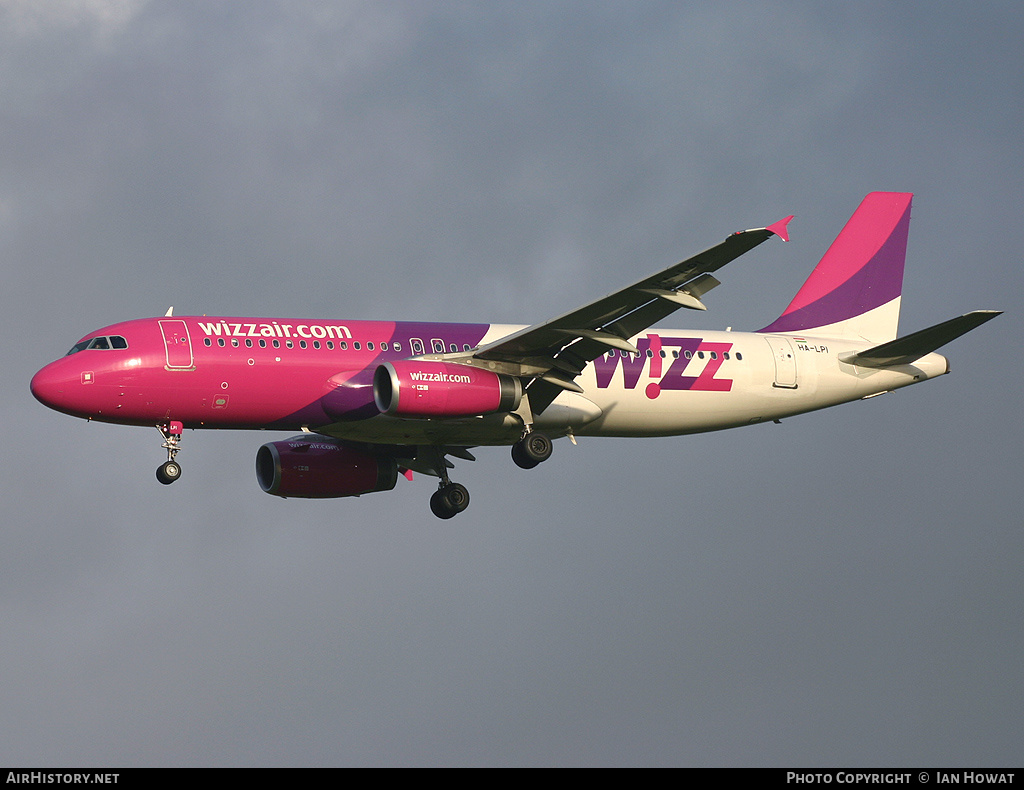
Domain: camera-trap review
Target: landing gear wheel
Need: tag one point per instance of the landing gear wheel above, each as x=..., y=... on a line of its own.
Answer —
x=450, y=500
x=168, y=472
x=532, y=449
x=439, y=506
x=457, y=496
x=519, y=456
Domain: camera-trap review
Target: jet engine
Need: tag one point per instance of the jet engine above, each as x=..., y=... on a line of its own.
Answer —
x=319, y=468
x=412, y=388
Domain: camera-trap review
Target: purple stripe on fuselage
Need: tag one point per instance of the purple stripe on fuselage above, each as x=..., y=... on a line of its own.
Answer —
x=350, y=398
x=460, y=334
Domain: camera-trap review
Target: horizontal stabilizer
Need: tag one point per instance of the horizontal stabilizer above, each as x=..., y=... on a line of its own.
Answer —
x=905, y=350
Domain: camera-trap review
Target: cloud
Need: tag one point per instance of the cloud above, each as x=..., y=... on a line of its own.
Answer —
x=105, y=18
x=630, y=602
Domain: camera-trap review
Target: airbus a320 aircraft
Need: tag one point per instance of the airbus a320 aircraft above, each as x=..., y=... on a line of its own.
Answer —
x=374, y=399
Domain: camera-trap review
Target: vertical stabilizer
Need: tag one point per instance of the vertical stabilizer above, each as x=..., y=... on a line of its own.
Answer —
x=854, y=291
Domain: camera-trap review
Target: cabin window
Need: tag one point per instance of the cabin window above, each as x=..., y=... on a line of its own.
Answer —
x=263, y=343
x=234, y=342
x=330, y=345
x=220, y=342
x=207, y=342
x=714, y=355
x=302, y=344
x=739, y=356
x=369, y=346
x=316, y=344
x=398, y=346
x=343, y=345
x=454, y=347
x=277, y=344
x=289, y=344
x=383, y=346
x=438, y=346
x=356, y=345
x=248, y=343
x=417, y=345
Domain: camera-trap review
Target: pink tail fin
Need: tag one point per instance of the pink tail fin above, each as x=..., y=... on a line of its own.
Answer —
x=854, y=291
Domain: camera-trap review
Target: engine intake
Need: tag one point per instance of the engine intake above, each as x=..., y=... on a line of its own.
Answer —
x=319, y=468
x=412, y=388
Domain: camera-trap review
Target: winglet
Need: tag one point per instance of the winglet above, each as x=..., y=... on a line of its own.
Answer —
x=779, y=228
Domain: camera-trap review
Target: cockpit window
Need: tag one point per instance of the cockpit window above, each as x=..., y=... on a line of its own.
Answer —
x=105, y=343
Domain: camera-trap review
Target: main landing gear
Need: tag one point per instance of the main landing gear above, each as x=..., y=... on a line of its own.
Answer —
x=450, y=499
x=534, y=448
x=170, y=470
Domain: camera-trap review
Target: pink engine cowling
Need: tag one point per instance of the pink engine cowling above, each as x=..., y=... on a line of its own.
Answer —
x=413, y=388
x=319, y=468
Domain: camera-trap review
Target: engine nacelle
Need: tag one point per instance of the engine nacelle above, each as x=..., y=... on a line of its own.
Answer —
x=413, y=388
x=319, y=468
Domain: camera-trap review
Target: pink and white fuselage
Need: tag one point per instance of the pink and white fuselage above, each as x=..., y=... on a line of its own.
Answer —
x=375, y=398
x=681, y=381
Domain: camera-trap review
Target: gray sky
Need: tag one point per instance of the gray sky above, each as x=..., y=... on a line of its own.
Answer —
x=843, y=589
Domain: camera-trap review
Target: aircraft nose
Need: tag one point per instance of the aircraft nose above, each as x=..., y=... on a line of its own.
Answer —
x=50, y=387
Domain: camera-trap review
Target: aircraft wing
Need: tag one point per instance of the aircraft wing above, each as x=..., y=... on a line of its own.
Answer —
x=555, y=352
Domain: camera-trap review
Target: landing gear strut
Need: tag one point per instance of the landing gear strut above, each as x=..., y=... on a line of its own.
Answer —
x=170, y=470
x=450, y=499
x=534, y=448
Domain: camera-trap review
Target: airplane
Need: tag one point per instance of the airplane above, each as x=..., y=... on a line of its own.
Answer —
x=376, y=399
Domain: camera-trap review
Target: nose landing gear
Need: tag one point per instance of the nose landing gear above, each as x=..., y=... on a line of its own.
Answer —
x=170, y=470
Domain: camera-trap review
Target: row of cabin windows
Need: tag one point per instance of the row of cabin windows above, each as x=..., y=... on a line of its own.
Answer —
x=417, y=347
x=416, y=344
x=437, y=345
x=675, y=354
x=103, y=343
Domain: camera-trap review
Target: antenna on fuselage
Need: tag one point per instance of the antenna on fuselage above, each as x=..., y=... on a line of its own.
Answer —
x=170, y=312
